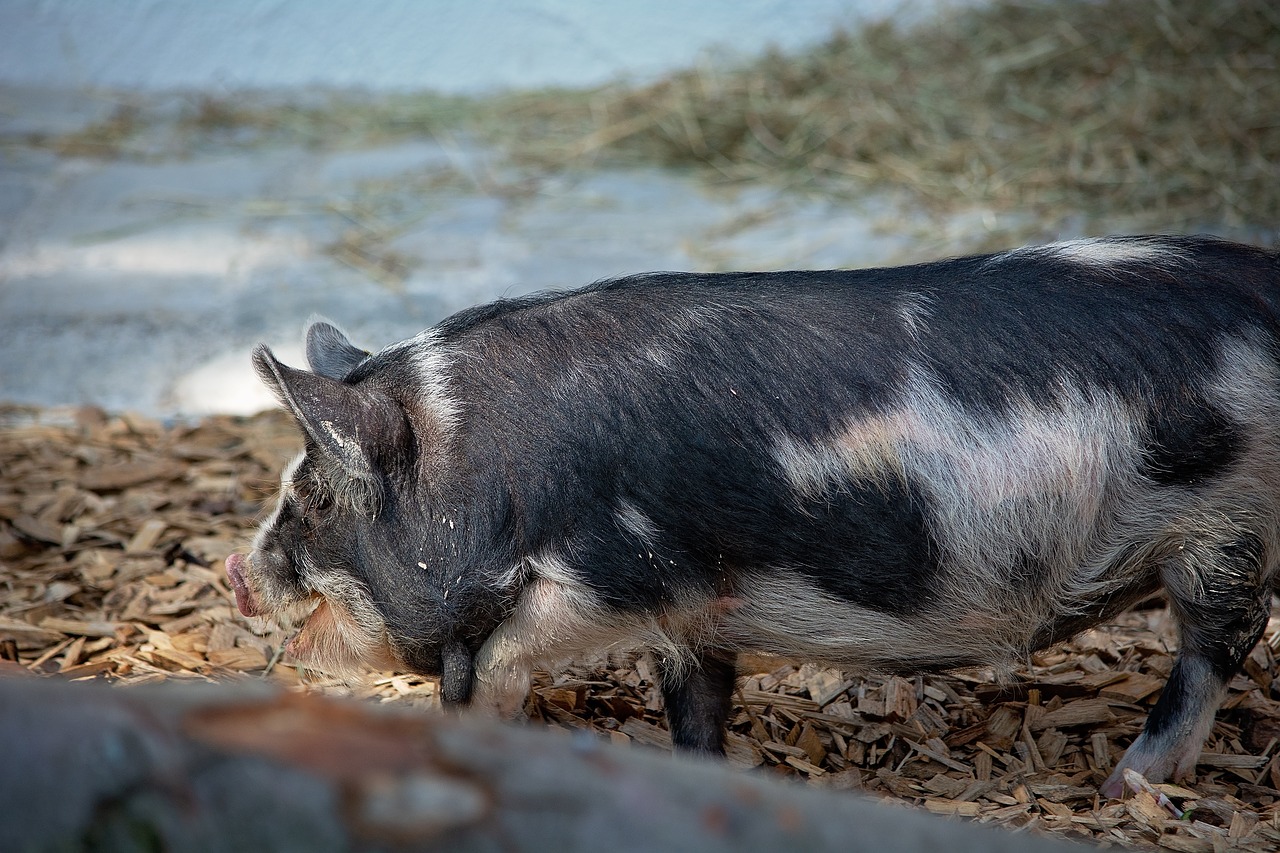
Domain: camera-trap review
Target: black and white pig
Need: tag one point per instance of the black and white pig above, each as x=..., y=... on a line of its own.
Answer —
x=906, y=470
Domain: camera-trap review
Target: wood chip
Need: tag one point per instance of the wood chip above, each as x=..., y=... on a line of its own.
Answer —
x=804, y=766
x=1135, y=687
x=938, y=757
x=1101, y=752
x=239, y=659
x=947, y=786
x=778, y=700
x=647, y=733
x=96, y=628
x=1231, y=762
x=1187, y=844
x=1242, y=824
x=24, y=633
x=147, y=536
x=812, y=745
x=113, y=478
x=899, y=699
x=41, y=531
x=951, y=807
x=1081, y=712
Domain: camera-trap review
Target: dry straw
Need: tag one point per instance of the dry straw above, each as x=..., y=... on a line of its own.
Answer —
x=1121, y=114
x=1164, y=113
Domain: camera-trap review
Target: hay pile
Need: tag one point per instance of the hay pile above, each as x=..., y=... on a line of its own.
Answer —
x=146, y=126
x=113, y=531
x=1043, y=115
x=1152, y=115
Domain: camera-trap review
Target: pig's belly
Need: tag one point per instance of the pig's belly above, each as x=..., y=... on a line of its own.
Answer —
x=795, y=620
x=863, y=639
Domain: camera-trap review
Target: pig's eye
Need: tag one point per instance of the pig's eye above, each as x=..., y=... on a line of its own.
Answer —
x=314, y=508
x=313, y=503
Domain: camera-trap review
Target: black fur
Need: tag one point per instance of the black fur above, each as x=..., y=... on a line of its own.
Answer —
x=1190, y=443
x=1176, y=701
x=1223, y=620
x=687, y=436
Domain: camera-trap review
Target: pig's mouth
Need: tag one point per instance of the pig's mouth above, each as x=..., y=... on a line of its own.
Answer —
x=248, y=605
x=308, y=627
x=247, y=600
x=331, y=639
x=326, y=634
x=244, y=596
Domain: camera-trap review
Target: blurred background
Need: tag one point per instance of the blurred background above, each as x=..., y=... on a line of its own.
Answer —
x=181, y=181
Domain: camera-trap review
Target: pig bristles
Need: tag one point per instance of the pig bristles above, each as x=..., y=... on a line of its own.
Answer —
x=354, y=493
x=337, y=644
x=350, y=635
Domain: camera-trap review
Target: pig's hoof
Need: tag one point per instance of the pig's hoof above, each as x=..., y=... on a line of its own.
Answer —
x=1113, y=788
x=504, y=704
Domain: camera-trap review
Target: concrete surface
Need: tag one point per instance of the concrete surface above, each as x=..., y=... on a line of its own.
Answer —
x=142, y=284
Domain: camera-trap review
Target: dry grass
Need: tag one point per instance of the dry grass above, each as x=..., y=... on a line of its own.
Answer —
x=1165, y=115
x=178, y=124
x=1112, y=114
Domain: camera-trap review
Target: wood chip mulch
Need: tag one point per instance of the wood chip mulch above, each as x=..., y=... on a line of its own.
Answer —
x=113, y=532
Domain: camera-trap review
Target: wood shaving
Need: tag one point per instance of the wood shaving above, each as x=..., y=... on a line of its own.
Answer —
x=114, y=529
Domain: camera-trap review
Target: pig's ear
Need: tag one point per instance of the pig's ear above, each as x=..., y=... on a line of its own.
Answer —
x=343, y=422
x=330, y=353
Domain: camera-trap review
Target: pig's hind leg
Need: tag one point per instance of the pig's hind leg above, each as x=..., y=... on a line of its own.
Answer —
x=697, y=691
x=1221, y=598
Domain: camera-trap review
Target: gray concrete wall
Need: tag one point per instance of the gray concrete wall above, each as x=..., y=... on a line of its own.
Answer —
x=438, y=44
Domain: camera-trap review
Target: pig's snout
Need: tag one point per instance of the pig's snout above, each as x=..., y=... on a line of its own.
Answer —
x=235, y=573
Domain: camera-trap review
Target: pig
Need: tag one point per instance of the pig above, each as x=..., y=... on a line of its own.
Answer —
x=904, y=470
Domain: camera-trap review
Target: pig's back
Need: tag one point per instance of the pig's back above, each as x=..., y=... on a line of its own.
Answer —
x=921, y=464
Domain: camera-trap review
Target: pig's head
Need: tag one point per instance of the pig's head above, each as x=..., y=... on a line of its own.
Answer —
x=345, y=558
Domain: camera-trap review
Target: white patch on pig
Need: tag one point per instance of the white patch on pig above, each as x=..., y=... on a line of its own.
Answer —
x=1245, y=388
x=914, y=309
x=635, y=522
x=1103, y=253
x=341, y=439
x=557, y=618
x=1059, y=485
x=971, y=466
x=432, y=360
x=868, y=449
x=286, y=494
x=291, y=470
x=782, y=613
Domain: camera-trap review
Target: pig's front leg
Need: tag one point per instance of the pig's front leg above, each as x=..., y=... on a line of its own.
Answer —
x=553, y=619
x=503, y=674
x=1222, y=606
x=697, y=692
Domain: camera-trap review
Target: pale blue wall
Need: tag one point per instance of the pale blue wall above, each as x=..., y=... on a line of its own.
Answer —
x=450, y=45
